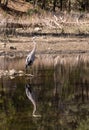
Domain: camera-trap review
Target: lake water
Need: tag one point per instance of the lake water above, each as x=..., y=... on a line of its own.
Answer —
x=55, y=98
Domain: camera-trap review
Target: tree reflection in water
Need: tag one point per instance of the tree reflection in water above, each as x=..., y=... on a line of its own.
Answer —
x=61, y=93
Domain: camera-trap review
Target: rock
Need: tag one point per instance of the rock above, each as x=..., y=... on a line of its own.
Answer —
x=13, y=48
x=12, y=77
x=12, y=72
x=37, y=29
x=20, y=73
x=5, y=73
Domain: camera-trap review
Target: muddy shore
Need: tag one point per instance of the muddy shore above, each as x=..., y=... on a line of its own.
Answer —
x=64, y=46
x=14, y=50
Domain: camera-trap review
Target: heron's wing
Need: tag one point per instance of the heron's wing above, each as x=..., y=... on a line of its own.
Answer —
x=30, y=57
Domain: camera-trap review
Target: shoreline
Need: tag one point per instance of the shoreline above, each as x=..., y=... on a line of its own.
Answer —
x=21, y=46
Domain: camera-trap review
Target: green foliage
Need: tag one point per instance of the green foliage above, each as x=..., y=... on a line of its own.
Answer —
x=32, y=11
x=61, y=5
x=81, y=5
x=84, y=125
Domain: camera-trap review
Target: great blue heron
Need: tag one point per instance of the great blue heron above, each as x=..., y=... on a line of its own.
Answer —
x=31, y=56
x=30, y=96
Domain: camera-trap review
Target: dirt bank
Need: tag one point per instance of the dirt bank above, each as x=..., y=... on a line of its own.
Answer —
x=46, y=45
x=54, y=36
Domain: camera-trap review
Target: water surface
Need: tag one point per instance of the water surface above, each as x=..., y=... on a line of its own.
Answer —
x=60, y=94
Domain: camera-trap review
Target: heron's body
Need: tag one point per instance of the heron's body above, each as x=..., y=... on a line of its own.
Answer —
x=31, y=57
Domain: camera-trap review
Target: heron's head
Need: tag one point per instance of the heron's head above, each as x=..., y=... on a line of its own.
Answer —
x=34, y=38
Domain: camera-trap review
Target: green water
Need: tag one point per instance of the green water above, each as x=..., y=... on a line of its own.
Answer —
x=61, y=95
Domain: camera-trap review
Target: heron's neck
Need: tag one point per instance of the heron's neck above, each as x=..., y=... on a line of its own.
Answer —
x=34, y=46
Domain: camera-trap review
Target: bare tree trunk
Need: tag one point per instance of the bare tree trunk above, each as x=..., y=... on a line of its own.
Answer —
x=69, y=8
x=54, y=5
x=87, y=5
x=35, y=3
x=5, y=3
x=61, y=5
x=43, y=4
x=0, y=2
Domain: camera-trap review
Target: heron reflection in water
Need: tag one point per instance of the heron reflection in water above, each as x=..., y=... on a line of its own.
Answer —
x=30, y=96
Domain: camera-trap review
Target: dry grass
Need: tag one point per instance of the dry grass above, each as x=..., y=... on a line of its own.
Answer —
x=60, y=36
